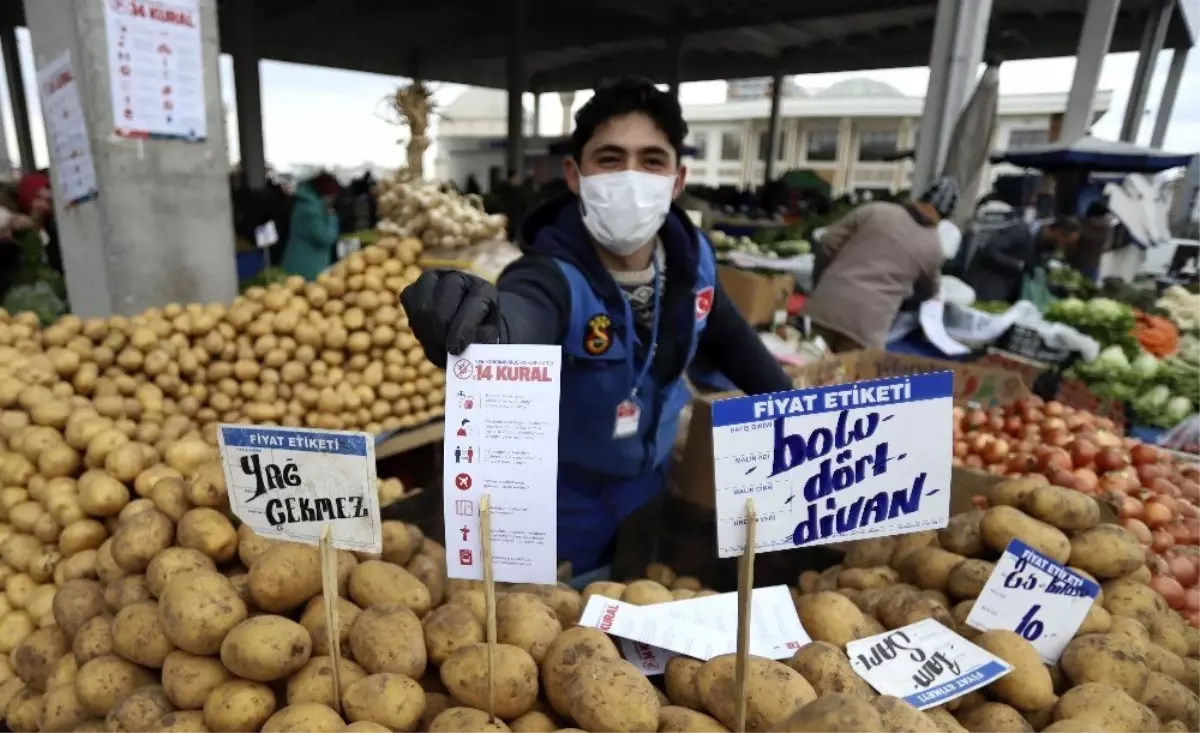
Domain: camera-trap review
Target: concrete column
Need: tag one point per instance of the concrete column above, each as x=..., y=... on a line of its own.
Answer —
x=844, y=161
x=248, y=95
x=959, y=37
x=16, y=93
x=161, y=229
x=1166, y=105
x=1153, y=37
x=1094, y=40
x=567, y=100
x=675, y=47
x=903, y=141
x=773, y=127
x=518, y=51
x=1186, y=199
x=536, y=122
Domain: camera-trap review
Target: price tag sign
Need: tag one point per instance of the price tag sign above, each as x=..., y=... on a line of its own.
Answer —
x=924, y=663
x=266, y=235
x=1036, y=597
x=348, y=245
x=290, y=483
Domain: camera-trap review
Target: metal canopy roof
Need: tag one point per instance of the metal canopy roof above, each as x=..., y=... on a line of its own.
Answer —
x=573, y=45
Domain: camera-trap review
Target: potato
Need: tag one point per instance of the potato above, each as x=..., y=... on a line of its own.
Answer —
x=206, y=486
x=139, y=710
x=1002, y=524
x=966, y=579
x=1170, y=699
x=827, y=669
x=61, y=708
x=830, y=617
x=188, y=679
x=125, y=590
x=994, y=717
x=1028, y=687
x=389, y=639
x=465, y=719
x=1107, y=551
x=285, y=577
x=101, y=495
x=185, y=721
x=314, y=681
x=1105, y=707
x=172, y=561
x=646, y=593
x=774, y=691
x=833, y=712
x=309, y=717
x=77, y=602
x=378, y=583
x=611, y=695
x=898, y=715
x=313, y=619
x=239, y=705
x=929, y=567
x=252, y=546
x=265, y=648
x=208, y=531
x=100, y=682
x=449, y=627
x=432, y=574
x=94, y=639
x=137, y=635
x=1171, y=633
x=609, y=589
x=570, y=649
x=198, y=609
x=675, y=719
x=516, y=682
x=140, y=538
x=1106, y=658
x=34, y=659
x=680, y=682
x=393, y=700
x=1064, y=508
x=1134, y=600
x=23, y=710
x=945, y=722
x=525, y=621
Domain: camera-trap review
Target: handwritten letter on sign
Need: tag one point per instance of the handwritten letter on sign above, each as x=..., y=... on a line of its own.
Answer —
x=1036, y=597
x=289, y=483
x=924, y=663
x=837, y=463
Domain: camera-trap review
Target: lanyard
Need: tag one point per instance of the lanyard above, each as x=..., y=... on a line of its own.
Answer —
x=630, y=334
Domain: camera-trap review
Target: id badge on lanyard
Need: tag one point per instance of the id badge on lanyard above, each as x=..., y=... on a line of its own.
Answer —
x=629, y=410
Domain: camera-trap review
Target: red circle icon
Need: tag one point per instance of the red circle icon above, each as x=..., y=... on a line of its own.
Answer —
x=462, y=481
x=462, y=369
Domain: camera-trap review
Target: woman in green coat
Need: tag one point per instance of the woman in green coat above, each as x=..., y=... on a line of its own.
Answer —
x=314, y=227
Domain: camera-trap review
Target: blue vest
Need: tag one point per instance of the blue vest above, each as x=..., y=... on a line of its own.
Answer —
x=603, y=479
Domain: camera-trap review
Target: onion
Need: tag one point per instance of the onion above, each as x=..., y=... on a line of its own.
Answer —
x=995, y=451
x=975, y=419
x=1054, y=460
x=1139, y=530
x=1169, y=589
x=1188, y=489
x=1013, y=426
x=1164, y=488
x=1104, y=423
x=1063, y=477
x=1130, y=507
x=1162, y=540
x=995, y=424
x=1157, y=514
x=1142, y=454
x=1147, y=472
x=960, y=448
x=1054, y=423
x=1054, y=408
x=1183, y=570
x=1083, y=452
x=977, y=444
x=1110, y=459
x=1087, y=481
x=973, y=461
x=1191, y=600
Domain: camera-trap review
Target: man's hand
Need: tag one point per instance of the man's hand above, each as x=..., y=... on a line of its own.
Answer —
x=20, y=222
x=448, y=310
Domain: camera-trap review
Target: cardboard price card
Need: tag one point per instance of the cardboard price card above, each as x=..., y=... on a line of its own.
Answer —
x=289, y=483
x=925, y=664
x=832, y=464
x=1036, y=597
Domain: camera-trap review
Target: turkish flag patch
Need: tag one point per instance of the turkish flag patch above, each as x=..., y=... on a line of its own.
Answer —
x=704, y=302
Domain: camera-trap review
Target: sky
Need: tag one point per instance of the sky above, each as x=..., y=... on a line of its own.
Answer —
x=331, y=117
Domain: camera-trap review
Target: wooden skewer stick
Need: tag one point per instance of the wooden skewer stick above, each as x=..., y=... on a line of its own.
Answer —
x=489, y=597
x=745, y=589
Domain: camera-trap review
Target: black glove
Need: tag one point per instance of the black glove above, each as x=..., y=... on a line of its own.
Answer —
x=448, y=310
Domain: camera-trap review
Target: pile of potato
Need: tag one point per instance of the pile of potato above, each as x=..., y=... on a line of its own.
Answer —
x=336, y=353
x=1132, y=665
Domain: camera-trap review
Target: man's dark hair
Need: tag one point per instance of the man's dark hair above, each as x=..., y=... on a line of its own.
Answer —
x=621, y=97
x=325, y=184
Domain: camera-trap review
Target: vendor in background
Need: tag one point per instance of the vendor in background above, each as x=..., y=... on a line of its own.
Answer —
x=617, y=275
x=872, y=260
x=998, y=268
x=1095, y=236
x=36, y=201
x=313, y=231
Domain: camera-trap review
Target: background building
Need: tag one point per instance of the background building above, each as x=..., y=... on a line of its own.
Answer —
x=848, y=134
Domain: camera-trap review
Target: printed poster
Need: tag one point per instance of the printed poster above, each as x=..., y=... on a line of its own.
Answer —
x=836, y=463
x=502, y=441
x=66, y=132
x=156, y=68
x=290, y=483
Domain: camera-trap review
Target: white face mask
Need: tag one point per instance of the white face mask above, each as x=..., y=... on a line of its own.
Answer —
x=622, y=211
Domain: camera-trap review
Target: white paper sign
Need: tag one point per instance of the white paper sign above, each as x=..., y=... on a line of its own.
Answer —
x=156, y=68
x=774, y=625
x=266, y=235
x=502, y=440
x=1036, y=597
x=289, y=483
x=348, y=245
x=66, y=131
x=837, y=463
x=925, y=664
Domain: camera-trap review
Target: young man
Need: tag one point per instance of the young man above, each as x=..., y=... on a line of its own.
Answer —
x=618, y=276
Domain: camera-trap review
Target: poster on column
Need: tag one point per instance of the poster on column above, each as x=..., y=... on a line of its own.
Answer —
x=156, y=68
x=66, y=131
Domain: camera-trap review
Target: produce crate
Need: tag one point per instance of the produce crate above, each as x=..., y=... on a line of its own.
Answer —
x=1027, y=343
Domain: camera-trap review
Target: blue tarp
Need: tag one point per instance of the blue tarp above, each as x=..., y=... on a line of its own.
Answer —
x=1093, y=154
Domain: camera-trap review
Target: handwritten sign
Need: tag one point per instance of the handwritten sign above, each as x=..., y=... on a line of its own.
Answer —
x=837, y=463
x=1036, y=597
x=289, y=483
x=924, y=663
x=66, y=131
